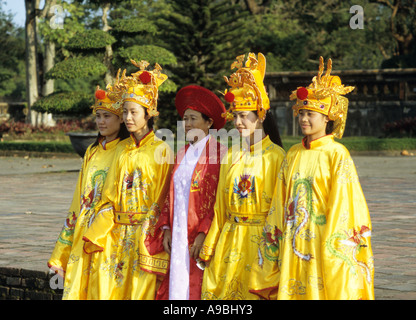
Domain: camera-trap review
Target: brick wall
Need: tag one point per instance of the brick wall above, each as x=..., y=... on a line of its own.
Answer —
x=21, y=284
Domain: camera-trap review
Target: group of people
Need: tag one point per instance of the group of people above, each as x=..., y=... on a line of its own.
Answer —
x=252, y=222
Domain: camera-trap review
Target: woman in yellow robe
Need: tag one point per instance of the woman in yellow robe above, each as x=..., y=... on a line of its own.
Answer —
x=316, y=241
x=68, y=258
x=135, y=189
x=245, y=188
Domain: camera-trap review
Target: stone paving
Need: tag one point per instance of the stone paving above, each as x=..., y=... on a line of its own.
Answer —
x=35, y=194
x=389, y=185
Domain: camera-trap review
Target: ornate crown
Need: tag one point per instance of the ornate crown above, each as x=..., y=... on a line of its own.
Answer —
x=324, y=95
x=142, y=86
x=111, y=98
x=247, y=92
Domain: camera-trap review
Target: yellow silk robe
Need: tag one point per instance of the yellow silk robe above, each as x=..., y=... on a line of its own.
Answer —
x=244, y=194
x=135, y=189
x=68, y=256
x=316, y=241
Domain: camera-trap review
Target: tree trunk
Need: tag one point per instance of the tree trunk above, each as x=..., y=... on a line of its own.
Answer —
x=109, y=75
x=32, y=90
x=48, y=85
x=48, y=63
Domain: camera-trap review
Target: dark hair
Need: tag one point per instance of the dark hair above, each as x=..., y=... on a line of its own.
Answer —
x=271, y=129
x=329, y=127
x=205, y=117
x=151, y=120
x=123, y=133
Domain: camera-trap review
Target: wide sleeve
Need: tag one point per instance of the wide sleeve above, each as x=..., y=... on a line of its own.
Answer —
x=210, y=185
x=154, y=240
x=95, y=236
x=159, y=212
x=218, y=221
x=348, y=265
x=60, y=255
x=264, y=277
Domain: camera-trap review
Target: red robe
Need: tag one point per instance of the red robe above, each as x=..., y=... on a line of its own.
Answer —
x=200, y=210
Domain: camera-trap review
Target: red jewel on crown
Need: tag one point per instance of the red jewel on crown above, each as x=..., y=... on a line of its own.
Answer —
x=302, y=93
x=145, y=77
x=229, y=97
x=100, y=94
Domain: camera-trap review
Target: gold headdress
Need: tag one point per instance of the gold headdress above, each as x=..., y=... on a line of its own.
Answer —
x=324, y=95
x=111, y=98
x=142, y=86
x=247, y=92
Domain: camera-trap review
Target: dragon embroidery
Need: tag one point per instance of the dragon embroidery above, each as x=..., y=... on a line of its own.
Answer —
x=346, y=246
x=94, y=195
x=300, y=213
x=68, y=229
x=269, y=242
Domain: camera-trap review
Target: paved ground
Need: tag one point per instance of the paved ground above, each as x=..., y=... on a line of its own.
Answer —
x=35, y=194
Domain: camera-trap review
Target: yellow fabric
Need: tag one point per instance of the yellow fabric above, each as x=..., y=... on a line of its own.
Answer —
x=244, y=194
x=136, y=186
x=316, y=243
x=68, y=255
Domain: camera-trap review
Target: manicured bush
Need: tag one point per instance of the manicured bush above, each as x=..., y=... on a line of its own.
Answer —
x=65, y=103
x=37, y=146
x=90, y=39
x=77, y=67
x=134, y=25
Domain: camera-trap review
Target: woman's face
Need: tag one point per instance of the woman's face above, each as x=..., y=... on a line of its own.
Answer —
x=134, y=117
x=246, y=122
x=108, y=124
x=194, y=120
x=312, y=123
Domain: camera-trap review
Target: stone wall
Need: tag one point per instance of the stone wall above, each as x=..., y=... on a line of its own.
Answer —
x=21, y=284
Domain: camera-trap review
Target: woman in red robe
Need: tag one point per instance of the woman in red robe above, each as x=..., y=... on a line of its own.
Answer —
x=188, y=210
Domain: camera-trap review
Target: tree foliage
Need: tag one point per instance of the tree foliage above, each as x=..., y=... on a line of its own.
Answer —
x=90, y=39
x=101, y=48
x=205, y=36
x=66, y=103
x=196, y=41
x=12, y=81
x=77, y=67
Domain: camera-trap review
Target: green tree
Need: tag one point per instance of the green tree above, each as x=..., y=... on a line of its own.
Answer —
x=205, y=36
x=96, y=51
x=12, y=81
x=401, y=27
x=293, y=34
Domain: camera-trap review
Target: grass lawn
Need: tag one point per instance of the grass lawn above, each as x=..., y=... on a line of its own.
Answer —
x=365, y=143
